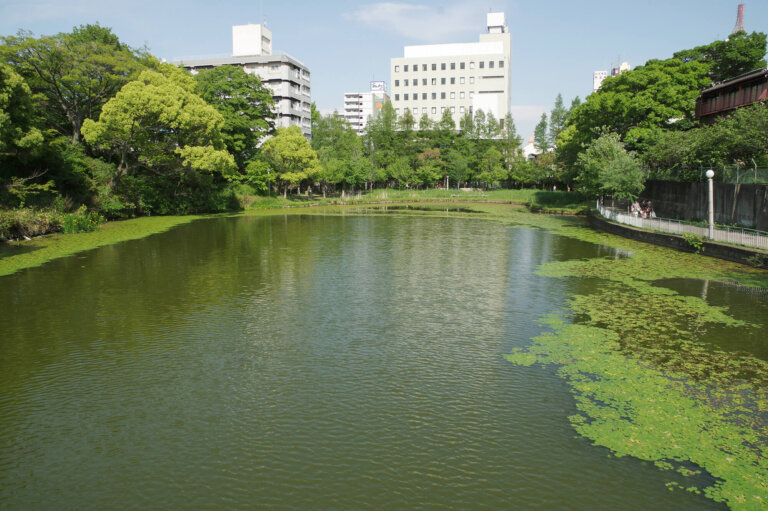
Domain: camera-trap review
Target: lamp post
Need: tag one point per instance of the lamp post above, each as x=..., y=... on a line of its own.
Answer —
x=711, y=206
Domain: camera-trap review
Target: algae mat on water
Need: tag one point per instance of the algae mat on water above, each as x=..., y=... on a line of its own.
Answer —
x=645, y=383
x=16, y=256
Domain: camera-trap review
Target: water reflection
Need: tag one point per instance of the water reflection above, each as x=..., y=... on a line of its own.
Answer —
x=295, y=362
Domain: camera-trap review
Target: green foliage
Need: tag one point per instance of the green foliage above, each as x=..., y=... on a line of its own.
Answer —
x=22, y=189
x=17, y=115
x=738, y=54
x=75, y=73
x=541, y=136
x=244, y=103
x=80, y=221
x=27, y=223
x=290, y=157
x=157, y=123
x=607, y=168
x=694, y=241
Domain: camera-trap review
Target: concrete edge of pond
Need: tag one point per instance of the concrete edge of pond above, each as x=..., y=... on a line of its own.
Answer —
x=744, y=255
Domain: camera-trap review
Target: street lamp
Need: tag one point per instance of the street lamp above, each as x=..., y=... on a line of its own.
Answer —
x=711, y=208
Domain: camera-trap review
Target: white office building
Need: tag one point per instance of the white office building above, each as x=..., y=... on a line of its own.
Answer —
x=361, y=107
x=459, y=77
x=286, y=76
x=599, y=76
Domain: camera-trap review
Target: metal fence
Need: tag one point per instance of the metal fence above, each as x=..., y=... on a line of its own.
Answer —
x=733, y=174
x=735, y=235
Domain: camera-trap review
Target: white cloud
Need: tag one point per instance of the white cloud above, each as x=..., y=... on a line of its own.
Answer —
x=424, y=23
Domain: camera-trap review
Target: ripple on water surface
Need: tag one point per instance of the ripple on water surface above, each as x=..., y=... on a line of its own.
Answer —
x=299, y=362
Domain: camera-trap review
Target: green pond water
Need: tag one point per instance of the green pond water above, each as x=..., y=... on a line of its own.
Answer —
x=318, y=362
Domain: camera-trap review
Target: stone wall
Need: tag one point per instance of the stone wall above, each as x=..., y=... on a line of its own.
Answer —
x=736, y=204
x=752, y=257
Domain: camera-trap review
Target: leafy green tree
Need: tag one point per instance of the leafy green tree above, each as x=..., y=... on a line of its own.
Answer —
x=430, y=167
x=401, y=171
x=381, y=139
x=457, y=167
x=290, y=157
x=406, y=122
x=606, y=167
x=738, y=54
x=491, y=169
x=541, y=136
x=637, y=105
x=425, y=124
x=157, y=123
x=76, y=73
x=18, y=132
x=510, y=141
x=246, y=105
x=557, y=118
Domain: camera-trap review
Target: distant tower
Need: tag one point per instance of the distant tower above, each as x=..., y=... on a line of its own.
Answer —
x=739, y=20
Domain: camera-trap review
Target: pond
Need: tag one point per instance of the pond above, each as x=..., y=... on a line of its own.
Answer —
x=312, y=362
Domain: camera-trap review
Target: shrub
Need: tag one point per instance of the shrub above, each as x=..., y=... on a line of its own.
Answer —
x=26, y=223
x=80, y=221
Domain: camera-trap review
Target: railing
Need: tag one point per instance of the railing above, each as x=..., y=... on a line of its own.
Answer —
x=736, y=235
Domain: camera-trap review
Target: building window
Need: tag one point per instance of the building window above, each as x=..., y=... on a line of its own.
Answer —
x=461, y=66
x=442, y=66
x=482, y=64
x=397, y=111
x=397, y=97
x=442, y=81
x=415, y=96
x=434, y=81
x=397, y=69
x=423, y=95
x=405, y=68
x=397, y=83
x=472, y=65
x=416, y=110
x=424, y=110
x=491, y=63
x=453, y=66
x=461, y=109
x=423, y=67
x=423, y=81
x=471, y=94
x=434, y=95
x=434, y=109
x=405, y=82
x=461, y=95
x=461, y=80
x=442, y=109
x=434, y=67
x=471, y=79
x=501, y=63
x=442, y=95
x=405, y=97
x=415, y=82
x=453, y=80
x=453, y=109
x=453, y=95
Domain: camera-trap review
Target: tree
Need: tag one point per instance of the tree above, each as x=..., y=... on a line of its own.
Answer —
x=76, y=73
x=17, y=115
x=557, y=118
x=637, y=105
x=291, y=157
x=606, y=167
x=157, y=123
x=738, y=54
x=400, y=170
x=430, y=166
x=491, y=170
x=246, y=105
x=540, y=135
x=510, y=141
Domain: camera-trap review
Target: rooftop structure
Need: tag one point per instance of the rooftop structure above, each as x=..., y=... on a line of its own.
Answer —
x=739, y=27
x=728, y=95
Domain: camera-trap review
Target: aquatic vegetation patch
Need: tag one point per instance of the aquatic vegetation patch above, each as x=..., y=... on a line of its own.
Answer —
x=637, y=410
x=15, y=256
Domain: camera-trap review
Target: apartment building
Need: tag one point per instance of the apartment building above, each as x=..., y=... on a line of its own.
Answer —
x=286, y=76
x=360, y=107
x=459, y=77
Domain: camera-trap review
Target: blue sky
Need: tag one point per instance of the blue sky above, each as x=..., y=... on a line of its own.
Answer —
x=346, y=44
